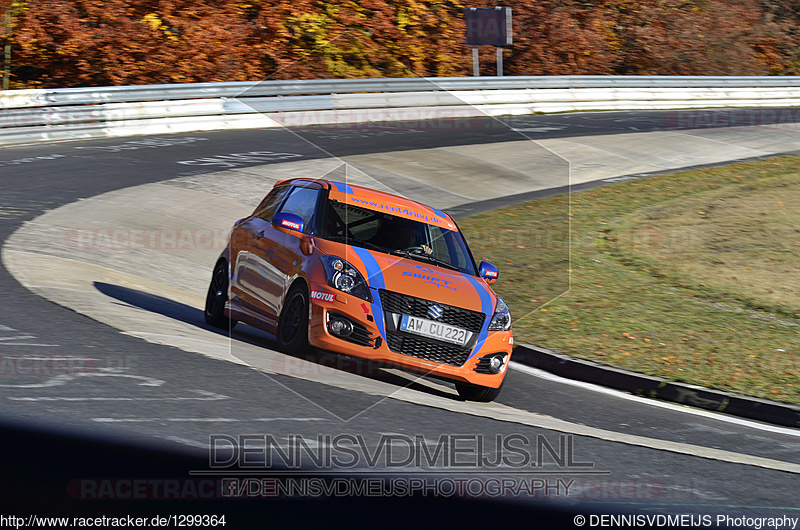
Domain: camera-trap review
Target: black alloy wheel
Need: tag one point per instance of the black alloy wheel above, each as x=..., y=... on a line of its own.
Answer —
x=217, y=297
x=292, y=333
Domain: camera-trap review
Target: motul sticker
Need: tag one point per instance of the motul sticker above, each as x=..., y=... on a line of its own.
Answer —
x=319, y=295
x=290, y=224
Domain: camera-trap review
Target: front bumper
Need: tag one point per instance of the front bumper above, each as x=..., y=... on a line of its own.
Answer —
x=376, y=339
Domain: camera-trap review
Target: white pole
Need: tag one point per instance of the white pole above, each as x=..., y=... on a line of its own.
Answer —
x=499, y=61
x=475, y=66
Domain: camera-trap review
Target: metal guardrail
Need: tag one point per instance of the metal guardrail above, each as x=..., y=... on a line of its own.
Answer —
x=89, y=95
x=53, y=114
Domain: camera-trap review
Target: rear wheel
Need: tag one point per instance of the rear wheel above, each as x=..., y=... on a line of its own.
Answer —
x=470, y=392
x=217, y=297
x=292, y=333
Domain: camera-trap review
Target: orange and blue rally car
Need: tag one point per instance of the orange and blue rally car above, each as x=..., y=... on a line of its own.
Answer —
x=369, y=274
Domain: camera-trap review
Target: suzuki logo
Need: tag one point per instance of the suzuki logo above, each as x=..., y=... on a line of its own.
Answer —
x=435, y=311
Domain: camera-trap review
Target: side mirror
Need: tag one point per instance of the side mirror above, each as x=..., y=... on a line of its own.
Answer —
x=488, y=272
x=292, y=221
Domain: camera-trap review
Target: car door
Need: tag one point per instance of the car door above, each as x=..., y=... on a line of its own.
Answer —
x=244, y=276
x=275, y=256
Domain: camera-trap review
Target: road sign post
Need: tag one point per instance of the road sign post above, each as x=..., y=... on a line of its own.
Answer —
x=499, y=61
x=488, y=26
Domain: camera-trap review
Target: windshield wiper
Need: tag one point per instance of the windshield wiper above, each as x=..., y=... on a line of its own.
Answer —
x=395, y=252
x=430, y=259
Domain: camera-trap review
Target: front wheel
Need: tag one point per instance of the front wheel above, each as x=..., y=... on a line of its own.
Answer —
x=292, y=333
x=217, y=297
x=470, y=392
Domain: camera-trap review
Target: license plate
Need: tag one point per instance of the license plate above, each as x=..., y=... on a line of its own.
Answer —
x=434, y=330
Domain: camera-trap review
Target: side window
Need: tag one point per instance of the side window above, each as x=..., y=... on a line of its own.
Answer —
x=343, y=220
x=438, y=244
x=303, y=202
x=269, y=205
x=448, y=246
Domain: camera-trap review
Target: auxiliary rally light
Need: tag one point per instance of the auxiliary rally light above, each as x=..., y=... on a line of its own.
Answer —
x=340, y=327
x=496, y=364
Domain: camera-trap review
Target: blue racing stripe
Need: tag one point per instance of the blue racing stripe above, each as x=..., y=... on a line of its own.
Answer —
x=342, y=188
x=439, y=213
x=486, y=309
x=375, y=281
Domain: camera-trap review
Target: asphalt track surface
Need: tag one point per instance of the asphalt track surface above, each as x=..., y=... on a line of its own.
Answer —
x=148, y=393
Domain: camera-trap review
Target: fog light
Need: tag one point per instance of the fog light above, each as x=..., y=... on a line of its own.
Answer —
x=341, y=327
x=496, y=364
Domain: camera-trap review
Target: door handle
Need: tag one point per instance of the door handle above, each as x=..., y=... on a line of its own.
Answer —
x=260, y=234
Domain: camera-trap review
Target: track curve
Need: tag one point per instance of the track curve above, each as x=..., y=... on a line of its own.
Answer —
x=160, y=187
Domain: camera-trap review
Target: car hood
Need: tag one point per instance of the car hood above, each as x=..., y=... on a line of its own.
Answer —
x=419, y=279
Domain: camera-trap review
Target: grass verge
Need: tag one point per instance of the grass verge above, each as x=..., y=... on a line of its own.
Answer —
x=692, y=276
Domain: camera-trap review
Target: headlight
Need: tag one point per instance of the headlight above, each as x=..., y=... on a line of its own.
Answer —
x=344, y=277
x=501, y=321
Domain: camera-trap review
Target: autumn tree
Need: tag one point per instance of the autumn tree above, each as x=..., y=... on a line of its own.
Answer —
x=368, y=38
x=558, y=38
x=679, y=37
x=623, y=37
x=779, y=45
x=9, y=11
x=121, y=42
x=117, y=42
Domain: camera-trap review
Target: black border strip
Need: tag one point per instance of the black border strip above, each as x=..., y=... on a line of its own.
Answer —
x=657, y=387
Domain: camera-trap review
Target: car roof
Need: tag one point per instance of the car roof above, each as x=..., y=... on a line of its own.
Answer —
x=381, y=202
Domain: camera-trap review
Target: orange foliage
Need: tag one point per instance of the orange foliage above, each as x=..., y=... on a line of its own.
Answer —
x=122, y=42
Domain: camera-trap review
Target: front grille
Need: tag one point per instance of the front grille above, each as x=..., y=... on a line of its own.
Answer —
x=424, y=348
x=429, y=350
x=417, y=307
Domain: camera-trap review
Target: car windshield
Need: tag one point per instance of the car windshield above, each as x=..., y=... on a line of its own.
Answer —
x=396, y=235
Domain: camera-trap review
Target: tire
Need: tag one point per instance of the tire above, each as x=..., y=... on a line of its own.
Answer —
x=217, y=297
x=292, y=332
x=484, y=394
